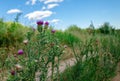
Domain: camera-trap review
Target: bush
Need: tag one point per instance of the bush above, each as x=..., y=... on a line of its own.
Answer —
x=106, y=28
x=11, y=33
x=73, y=28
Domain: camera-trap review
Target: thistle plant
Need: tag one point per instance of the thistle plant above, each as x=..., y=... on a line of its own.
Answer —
x=37, y=56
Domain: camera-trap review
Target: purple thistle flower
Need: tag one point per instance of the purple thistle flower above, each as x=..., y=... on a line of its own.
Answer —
x=40, y=22
x=46, y=23
x=20, y=52
x=12, y=72
x=53, y=31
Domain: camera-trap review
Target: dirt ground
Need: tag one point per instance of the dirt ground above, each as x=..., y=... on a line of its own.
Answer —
x=117, y=77
x=62, y=67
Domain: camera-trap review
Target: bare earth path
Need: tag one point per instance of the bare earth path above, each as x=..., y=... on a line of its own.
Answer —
x=71, y=62
x=62, y=67
x=117, y=77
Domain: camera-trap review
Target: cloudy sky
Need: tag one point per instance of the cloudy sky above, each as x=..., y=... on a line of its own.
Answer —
x=62, y=13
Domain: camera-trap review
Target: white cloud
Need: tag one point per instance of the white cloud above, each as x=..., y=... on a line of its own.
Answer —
x=13, y=11
x=43, y=8
x=38, y=15
x=52, y=6
x=55, y=21
x=50, y=1
x=33, y=2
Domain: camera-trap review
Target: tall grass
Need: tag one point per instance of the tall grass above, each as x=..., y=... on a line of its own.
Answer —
x=66, y=37
x=96, y=55
x=96, y=59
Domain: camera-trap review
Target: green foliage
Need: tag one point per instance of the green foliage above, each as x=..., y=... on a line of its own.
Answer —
x=96, y=55
x=91, y=29
x=66, y=37
x=73, y=28
x=17, y=17
x=96, y=60
x=11, y=33
x=36, y=57
x=106, y=28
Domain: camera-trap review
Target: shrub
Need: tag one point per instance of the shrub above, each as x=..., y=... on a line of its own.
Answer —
x=11, y=33
x=73, y=28
x=106, y=28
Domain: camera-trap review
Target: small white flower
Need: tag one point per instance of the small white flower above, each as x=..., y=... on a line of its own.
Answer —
x=36, y=60
x=18, y=67
x=25, y=41
x=65, y=46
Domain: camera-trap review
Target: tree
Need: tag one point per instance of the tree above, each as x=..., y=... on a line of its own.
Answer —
x=106, y=28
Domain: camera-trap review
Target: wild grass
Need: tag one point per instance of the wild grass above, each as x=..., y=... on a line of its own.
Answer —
x=96, y=53
x=96, y=59
x=11, y=33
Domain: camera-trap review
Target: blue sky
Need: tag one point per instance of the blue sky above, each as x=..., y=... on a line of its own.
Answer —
x=62, y=13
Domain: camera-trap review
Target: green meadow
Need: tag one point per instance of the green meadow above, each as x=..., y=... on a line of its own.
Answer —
x=26, y=51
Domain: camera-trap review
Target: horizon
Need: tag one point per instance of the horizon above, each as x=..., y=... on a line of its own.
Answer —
x=63, y=13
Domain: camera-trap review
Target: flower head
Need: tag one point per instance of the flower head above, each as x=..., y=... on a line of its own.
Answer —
x=25, y=41
x=18, y=67
x=53, y=31
x=12, y=72
x=40, y=23
x=65, y=46
x=46, y=23
x=20, y=52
